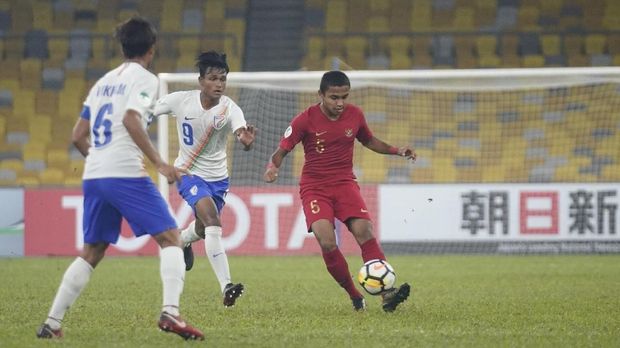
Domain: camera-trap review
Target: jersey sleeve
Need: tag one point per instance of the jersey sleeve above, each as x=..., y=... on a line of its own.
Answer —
x=142, y=96
x=85, y=114
x=167, y=104
x=294, y=133
x=237, y=119
x=364, y=134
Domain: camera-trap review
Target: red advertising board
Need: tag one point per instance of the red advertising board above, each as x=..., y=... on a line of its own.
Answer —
x=256, y=220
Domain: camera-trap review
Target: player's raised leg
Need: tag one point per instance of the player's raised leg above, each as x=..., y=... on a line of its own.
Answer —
x=362, y=231
x=189, y=236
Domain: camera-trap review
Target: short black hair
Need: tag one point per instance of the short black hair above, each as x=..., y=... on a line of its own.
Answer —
x=211, y=59
x=137, y=36
x=334, y=78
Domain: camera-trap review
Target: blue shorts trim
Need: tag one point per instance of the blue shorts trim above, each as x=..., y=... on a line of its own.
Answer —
x=193, y=188
x=108, y=200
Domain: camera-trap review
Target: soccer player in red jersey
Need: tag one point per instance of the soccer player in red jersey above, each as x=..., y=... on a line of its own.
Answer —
x=328, y=187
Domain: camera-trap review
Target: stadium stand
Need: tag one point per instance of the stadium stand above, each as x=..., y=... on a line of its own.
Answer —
x=52, y=51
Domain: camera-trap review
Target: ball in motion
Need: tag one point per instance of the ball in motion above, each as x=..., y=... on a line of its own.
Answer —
x=376, y=276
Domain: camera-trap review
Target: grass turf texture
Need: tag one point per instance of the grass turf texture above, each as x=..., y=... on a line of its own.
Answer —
x=476, y=301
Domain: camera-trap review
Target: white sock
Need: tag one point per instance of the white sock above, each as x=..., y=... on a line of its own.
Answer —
x=188, y=235
x=172, y=270
x=217, y=255
x=73, y=282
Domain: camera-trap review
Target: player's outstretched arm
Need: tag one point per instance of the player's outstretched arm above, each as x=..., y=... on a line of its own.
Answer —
x=132, y=121
x=246, y=136
x=379, y=146
x=271, y=173
x=80, y=134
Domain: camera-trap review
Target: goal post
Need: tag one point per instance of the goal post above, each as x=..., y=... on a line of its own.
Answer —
x=509, y=160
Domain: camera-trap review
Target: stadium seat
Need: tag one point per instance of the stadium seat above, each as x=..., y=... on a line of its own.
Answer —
x=51, y=177
x=30, y=73
x=40, y=129
x=421, y=16
x=356, y=50
x=595, y=44
x=46, y=102
x=36, y=44
x=335, y=15
x=464, y=19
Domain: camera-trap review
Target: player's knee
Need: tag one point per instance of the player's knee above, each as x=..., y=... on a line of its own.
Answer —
x=328, y=245
x=168, y=238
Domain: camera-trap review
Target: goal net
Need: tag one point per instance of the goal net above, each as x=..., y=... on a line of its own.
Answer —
x=509, y=160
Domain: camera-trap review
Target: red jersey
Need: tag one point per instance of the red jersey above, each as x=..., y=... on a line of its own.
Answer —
x=328, y=144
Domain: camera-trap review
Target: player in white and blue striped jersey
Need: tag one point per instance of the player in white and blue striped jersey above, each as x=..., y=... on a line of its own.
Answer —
x=205, y=118
x=111, y=134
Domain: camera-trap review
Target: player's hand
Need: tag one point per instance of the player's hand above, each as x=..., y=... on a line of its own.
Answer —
x=247, y=136
x=407, y=153
x=271, y=173
x=171, y=173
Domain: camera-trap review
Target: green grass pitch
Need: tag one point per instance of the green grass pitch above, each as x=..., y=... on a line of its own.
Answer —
x=457, y=301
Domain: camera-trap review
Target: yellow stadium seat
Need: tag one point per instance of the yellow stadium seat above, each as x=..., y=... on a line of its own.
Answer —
x=189, y=46
x=611, y=173
x=464, y=18
x=551, y=44
x=40, y=129
x=595, y=44
x=24, y=104
x=58, y=48
x=51, y=176
x=30, y=73
x=171, y=15
x=528, y=18
x=335, y=15
x=42, y=14
x=73, y=181
x=13, y=164
x=46, y=102
x=421, y=15
x=443, y=170
x=532, y=61
x=215, y=9
x=378, y=24
x=33, y=151
x=58, y=158
x=573, y=44
x=69, y=103
x=28, y=181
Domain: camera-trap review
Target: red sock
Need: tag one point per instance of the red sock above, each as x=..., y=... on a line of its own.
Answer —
x=339, y=269
x=371, y=250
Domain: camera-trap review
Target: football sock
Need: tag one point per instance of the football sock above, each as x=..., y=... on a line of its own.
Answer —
x=339, y=269
x=371, y=250
x=172, y=270
x=189, y=235
x=73, y=282
x=217, y=255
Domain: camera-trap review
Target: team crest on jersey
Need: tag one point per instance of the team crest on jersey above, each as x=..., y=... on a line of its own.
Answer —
x=219, y=121
x=288, y=131
x=144, y=98
x=348, y=132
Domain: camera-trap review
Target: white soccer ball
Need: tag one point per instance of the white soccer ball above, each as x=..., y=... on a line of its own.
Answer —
x=376, y=276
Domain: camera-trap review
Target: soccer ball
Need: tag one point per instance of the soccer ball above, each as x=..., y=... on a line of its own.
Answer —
x=376, y=276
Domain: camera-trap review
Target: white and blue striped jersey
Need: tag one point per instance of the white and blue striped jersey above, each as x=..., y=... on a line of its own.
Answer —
x=203, y=134
x=112, y=153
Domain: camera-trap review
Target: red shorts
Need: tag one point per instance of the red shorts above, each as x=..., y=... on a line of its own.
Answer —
x=342, y=201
